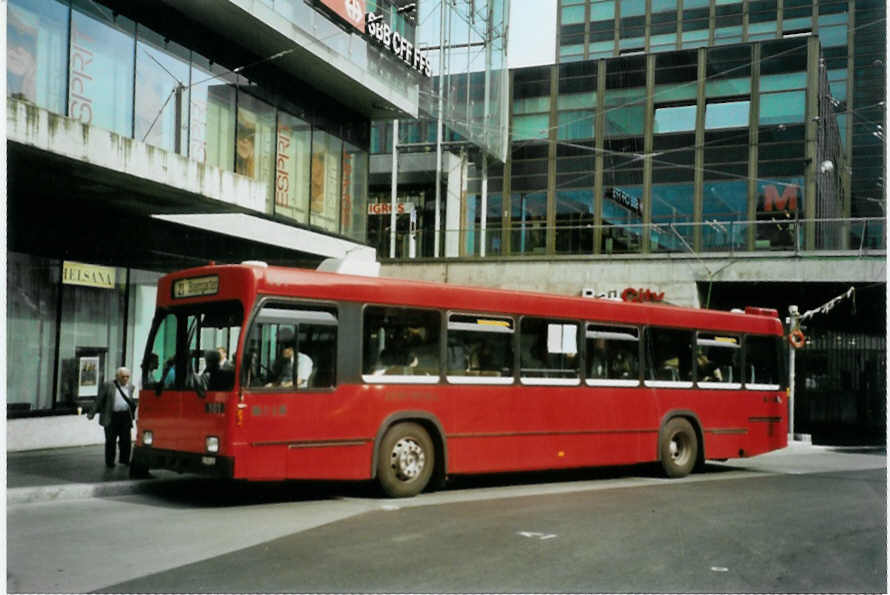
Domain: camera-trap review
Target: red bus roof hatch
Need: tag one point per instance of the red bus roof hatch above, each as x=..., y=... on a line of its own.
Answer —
x=771, y=312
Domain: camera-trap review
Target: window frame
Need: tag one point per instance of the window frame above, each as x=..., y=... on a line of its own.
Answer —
x=401, y=378
x=579, y=353
x=612, y=382
x=465, y=379
x=277, y=302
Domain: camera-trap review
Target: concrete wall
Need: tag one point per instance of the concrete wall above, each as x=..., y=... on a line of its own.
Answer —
x=52, y=432
x=66, y=137
x=675, y=276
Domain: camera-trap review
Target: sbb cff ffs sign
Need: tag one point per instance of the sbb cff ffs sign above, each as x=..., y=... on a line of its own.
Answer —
x=351, y=11
x=383, y=35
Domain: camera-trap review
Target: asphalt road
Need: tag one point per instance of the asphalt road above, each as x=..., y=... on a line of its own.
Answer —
x=785, y=522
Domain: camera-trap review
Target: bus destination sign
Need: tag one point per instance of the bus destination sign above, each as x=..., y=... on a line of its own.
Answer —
x=196, y=286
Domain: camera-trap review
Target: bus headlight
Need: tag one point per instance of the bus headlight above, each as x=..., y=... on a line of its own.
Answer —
x=211, y=444
x=147, y=437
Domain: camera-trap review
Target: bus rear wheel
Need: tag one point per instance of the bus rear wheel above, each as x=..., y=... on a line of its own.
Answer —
x=678, y=448
x=406, y=460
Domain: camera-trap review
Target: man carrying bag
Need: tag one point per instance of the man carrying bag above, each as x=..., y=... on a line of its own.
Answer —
x=117, y=409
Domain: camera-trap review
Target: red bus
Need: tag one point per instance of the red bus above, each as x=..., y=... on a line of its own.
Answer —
x=346, y=377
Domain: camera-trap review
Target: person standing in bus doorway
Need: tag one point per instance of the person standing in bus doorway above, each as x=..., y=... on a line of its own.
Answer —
x=116, y=409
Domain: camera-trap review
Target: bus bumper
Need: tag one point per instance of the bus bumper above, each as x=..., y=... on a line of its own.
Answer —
x=147, y=458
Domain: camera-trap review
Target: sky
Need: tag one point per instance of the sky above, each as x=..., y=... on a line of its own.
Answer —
x=532, y=34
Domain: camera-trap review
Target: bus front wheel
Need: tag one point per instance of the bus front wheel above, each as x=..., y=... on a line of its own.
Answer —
x=406, y=460
x=678, y=448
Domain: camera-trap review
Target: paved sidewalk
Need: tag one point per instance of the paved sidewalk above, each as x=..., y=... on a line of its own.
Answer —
x=75, y=472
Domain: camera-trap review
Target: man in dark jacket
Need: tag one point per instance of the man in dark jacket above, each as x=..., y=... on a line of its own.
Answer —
x=116, y=409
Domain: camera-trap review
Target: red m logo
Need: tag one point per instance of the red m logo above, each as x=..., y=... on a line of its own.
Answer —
x=772, y=200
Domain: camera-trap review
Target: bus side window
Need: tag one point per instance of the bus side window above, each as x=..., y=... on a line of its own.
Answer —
x=669, y=355
x=401, y=342
x=291, y=347
x=762, y=360
x=548, y=349
x=613, y=352
x=480, y=346
x=718, y=358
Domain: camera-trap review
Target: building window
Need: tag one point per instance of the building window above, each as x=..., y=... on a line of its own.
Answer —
x=354, y=201
x=534, y=127
x=675, y=119
x=101, y=64
x=529, y=222
x=255, y=140
x=32, y=286
x=37, y=52
x=574, y=221
x=91, y=333
x=292, y=162
x=324, y=201
x=162, y=93
x=212, y=125
x=573, y=125
x=782, y=108
x=732, y=114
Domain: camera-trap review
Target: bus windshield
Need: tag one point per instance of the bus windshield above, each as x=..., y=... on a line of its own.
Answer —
x=193, y=348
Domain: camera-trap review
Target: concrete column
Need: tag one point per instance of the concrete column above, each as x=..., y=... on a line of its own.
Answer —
x=753, y=140
x=600, y=134
x=456, y=170
x=811, y=135
x=698, y=184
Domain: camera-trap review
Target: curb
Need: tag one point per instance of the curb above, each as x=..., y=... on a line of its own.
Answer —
x=74, y=491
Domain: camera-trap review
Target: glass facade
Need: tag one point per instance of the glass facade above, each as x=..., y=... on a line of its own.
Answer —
x=851, y=35
x=66, y=332
x=84, y=61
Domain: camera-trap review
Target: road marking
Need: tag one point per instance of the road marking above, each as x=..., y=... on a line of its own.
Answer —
x=719, y=569
x=534, y=535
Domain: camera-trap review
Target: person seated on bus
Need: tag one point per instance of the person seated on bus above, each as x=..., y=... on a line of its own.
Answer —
x=708, y=371
x=598, y=360
x=283, y=369
x=169, y=373
x=623, y=365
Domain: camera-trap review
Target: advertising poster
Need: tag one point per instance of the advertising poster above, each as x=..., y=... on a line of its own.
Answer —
x=88, y=376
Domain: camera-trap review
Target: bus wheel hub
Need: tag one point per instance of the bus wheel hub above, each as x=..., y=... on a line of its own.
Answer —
x=407, y=459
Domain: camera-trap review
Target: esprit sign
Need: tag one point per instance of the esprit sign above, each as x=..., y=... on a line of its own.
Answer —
x=381, y=34
x=352, y=11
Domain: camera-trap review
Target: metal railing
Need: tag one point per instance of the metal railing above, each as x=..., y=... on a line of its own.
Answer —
x=717, y=238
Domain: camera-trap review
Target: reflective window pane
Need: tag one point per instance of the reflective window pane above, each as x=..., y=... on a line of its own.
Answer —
x=100, y=88
x=354, y=202
x=255, y=140
x=782, y=108
x=162, y=95
x=292, y=162
x=36, y=52
x=727, y=115
x=326, y=181
x=212, y=116
x=675, y=119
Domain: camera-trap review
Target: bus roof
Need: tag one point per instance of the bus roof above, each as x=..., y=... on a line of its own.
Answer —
x=245, y=282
